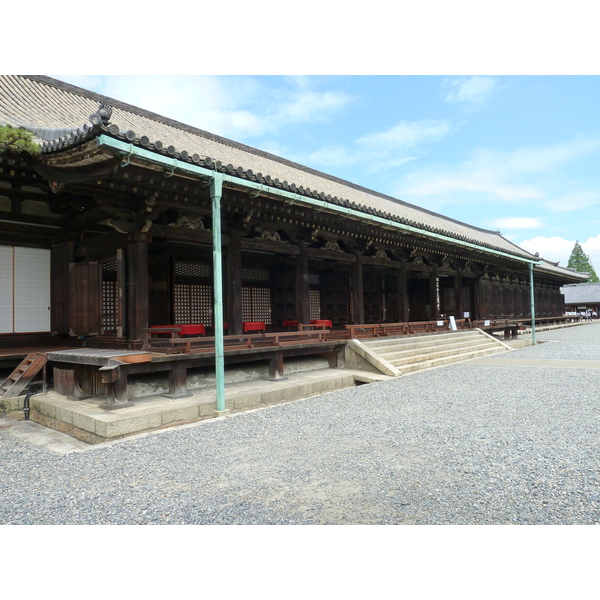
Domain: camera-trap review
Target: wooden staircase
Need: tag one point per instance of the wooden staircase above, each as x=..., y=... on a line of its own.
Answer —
x=412, y=353
x=18, y=380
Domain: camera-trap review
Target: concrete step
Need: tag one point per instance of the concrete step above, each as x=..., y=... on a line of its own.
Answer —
x=411, y=358
x=428, y=364
x=412, y=353
x=382, y=344
x=400, y=351
x=368, y=377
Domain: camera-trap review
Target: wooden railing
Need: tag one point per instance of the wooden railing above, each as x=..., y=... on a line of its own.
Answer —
x=412, y=327
x=193, y=345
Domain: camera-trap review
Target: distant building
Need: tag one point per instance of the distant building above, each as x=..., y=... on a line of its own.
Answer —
x=582, y=297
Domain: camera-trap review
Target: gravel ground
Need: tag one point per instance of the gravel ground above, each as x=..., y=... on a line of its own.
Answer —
x=464, y=444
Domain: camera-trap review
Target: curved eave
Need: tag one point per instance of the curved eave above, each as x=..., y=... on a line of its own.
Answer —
x=77, y=149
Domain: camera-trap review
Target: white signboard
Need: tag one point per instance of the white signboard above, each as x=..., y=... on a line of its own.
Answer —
x=452, y=324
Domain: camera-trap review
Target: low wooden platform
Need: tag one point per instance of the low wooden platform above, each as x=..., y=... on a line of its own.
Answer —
x=82, y=373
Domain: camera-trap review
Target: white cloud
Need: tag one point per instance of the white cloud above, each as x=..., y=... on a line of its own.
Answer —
x=553, y=248
x=557, y=249
x=573, y=201
x=383, y=149
x=334, y=156
x=471, y=91
x=443, y=184
x=592, y=248
x=541, y=158
x=305, y=105
x=513, y=223
x=523, y=174
x=405, y=135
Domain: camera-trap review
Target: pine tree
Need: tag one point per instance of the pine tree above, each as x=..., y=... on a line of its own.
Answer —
x=581, y=262
x=17, y=140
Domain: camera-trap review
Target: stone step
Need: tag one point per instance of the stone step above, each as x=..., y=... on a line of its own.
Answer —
x=405, y=354
x=410, y=358
x=428, y=364
x=401, y=350
x=381, y=344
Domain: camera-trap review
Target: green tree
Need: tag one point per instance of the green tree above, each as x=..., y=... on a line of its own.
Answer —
x=17, y=140
x=580, y=261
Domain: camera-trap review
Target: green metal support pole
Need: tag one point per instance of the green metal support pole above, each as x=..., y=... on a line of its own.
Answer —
x=216, y=191
x=532, y=303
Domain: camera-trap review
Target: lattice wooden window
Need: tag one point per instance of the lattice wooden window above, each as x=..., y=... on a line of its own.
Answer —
x=193, y=304
x=314, y=297
x=256, y=275
x=110, y=304
x=187, y=269
x=256, y=304
x=314, y=279
x=256, y=295
x=192, y=293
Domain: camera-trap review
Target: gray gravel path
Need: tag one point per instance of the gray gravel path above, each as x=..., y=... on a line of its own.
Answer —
x=470, y=443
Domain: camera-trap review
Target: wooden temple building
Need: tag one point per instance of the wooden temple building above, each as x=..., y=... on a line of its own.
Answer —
x=128, y=220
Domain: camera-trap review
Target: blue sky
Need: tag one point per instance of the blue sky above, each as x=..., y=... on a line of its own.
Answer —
x=518, y=154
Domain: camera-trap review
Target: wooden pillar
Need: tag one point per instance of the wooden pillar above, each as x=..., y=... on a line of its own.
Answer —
x=160, y=307
x=302, y=286
x=137, y=285
x=62, y=255
x=434, y=313
x=116, y=388
x=276, y=366
x=403, y=313
x=476, y=299
x=178, y=381
x=358, y=296
x=458, y=295
x=234, y=284
x=121, y=293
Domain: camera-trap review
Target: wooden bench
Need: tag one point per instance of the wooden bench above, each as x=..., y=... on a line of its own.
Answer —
x=179, y=330
x=253, y=326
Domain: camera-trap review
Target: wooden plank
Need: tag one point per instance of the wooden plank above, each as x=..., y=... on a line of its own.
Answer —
x=137, y=264
x=233, y=281
x=61, y=258
x=302, y=285
x=85, y=298
x=136, y=358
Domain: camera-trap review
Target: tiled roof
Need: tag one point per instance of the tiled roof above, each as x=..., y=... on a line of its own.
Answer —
x=581, y=293
x=550, y=267
x=52, y=108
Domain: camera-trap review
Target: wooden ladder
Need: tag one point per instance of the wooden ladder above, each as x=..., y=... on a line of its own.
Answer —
x=18, y=380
